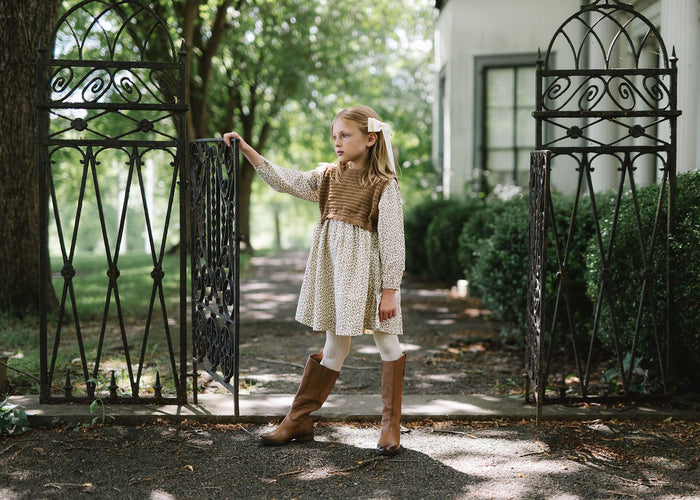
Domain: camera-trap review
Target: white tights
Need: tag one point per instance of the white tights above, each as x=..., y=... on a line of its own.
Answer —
x=337, y=348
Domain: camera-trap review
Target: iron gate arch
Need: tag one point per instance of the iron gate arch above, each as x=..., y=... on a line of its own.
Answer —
x=611, y=116
x=111, y=103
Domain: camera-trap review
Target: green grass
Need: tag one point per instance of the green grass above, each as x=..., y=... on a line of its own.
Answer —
x=20, y=337
x=135, y=285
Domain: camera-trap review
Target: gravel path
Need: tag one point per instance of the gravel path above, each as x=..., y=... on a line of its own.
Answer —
x=452, y=345
x=447, y=460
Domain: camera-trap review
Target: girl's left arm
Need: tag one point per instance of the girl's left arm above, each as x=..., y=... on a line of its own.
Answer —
x=391, y=236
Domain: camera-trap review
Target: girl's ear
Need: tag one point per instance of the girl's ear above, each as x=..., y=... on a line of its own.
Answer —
x=371, y=139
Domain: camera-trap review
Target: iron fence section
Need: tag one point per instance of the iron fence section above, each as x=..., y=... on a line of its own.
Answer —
x=578, y=105
x=111, y=99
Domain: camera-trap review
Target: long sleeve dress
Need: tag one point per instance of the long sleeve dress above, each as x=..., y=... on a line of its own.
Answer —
x=348, y=266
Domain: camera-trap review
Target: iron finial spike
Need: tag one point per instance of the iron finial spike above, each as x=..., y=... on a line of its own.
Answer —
x=158, y=387
x=113, y=385
x=68, y=387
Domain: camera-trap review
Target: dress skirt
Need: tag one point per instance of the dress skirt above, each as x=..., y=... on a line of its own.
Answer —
x=342, y=284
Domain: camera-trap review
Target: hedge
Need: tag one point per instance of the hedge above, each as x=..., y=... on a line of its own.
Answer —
x=433, y=229
x=625, y=279
x=487, y=243
x=442, y=239
x=499, y=273
x=416, y=222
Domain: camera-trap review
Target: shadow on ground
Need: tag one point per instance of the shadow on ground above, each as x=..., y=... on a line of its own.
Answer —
x=446, y=460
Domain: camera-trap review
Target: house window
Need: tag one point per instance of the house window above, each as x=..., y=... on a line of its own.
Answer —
x=505, y=126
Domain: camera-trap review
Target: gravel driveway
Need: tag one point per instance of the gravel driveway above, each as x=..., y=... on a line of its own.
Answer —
x=446, y=460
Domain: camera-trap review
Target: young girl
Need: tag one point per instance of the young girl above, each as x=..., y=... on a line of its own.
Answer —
x=354, y=270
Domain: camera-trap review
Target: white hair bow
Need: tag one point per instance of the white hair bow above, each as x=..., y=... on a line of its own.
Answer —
x=374, y=125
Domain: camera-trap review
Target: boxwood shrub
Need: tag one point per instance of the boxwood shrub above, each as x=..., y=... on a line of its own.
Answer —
x=625, y=280
x=479, y=227
x=442, y=238
x=416, y=222
x=499, y=272
x=497, y=267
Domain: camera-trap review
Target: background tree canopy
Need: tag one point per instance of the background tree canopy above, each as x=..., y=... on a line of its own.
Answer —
x=275, y=70
x=278, y=71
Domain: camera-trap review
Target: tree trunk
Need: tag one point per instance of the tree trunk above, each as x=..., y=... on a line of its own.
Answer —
x=23, y=24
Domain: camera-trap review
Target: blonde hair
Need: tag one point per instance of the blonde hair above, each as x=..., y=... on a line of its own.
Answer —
x=379, y=166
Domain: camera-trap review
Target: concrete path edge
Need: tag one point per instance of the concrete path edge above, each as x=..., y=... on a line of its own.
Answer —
x=219, y=408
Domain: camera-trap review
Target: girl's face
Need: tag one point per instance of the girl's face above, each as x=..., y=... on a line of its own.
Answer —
x=351, y=144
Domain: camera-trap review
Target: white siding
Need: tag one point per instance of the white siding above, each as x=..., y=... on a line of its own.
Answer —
x=466, y=29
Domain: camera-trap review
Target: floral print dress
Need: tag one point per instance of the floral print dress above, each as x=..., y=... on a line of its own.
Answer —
x=347, y=266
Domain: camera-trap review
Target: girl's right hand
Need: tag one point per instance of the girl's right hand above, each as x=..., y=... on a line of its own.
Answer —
x=229, y=136
x=253, y=157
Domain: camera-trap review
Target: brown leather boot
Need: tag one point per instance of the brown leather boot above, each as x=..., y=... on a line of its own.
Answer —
x=315, y=386
x=392, y=387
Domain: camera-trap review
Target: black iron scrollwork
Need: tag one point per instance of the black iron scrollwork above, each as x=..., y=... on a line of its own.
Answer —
x=607, y=105
x=215, y=259
x=111, y=96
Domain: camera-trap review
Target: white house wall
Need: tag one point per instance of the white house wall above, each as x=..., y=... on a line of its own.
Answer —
x=467, y=29
x=680, y=28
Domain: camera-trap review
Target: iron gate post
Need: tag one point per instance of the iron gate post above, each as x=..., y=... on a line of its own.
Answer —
x=537, y=266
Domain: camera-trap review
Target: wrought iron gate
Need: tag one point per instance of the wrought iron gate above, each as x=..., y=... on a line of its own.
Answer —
x=111, y=105
x=214, y=183
x=607, y=108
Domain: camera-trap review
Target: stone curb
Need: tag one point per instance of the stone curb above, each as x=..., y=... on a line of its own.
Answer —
x=219, y=408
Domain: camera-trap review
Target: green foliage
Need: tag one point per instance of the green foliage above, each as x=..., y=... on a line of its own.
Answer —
x=21, y=337
x=388, y=69
x=98, y=406
x=499, y=275
x=478, y=227
x=278, y=71
x=625, y=278
x=13, y=419
x=416, y=222
x=571, y=276
x=685, y=245
x=614, y=377
x=494, y=253
x=442, y=238
x=135, y=283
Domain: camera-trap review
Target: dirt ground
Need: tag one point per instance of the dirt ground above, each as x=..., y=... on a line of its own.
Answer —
x=493, y=459
x=452, y=345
